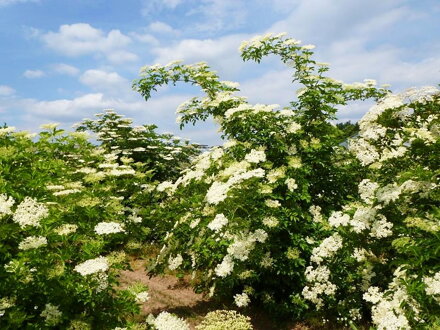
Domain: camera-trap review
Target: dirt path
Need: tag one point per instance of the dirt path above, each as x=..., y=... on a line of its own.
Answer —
x=167, y=293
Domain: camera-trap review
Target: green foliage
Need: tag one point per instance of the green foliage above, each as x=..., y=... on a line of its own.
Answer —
x=245, y=217
x=65, y=223
x=384, y=253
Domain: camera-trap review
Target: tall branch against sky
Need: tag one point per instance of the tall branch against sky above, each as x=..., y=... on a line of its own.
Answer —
x=68, y=60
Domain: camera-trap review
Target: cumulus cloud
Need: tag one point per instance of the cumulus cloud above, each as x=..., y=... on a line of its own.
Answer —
x=32, y=74
x=161, y=27
x=70, y=110
x=220, y=53
x=66, y=69
x=109, y=82
x=273, y=87
x=83, y=39
x=145, y=38
x=6, y=90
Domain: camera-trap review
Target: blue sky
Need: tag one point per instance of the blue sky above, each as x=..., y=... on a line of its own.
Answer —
x=61, y=61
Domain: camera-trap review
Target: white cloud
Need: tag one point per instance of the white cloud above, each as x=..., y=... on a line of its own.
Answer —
x=4, y=3
x=67, y=69
x=221, y=54
x=83, y=39
x=6, y=90
x=145, y=38
x=31, y=74
x=273, y=87
x=323, y=21
x=69, y=110
x=110, y=82
x=160, y=110
x=161, y=27
x=121, y=56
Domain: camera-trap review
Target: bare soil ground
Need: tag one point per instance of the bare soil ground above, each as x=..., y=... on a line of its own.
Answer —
x=168, y=293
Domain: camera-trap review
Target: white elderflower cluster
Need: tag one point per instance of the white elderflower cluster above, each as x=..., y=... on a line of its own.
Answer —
x=390, y=101
x=6, y=130
x=338, y=218
x=142, y=297
x=255, y=156
x=362, y=219
x=194, y=223
x=5, y=302
x=241, y=247
x=266, y=261
x=373, y=295
x=92, y=266
x=101, y=281
x=219, y=190
x=386, y=312
x=52, y=315
x=166, y=185
x=364, y=151
x=174, y=263
x=226, y=267
x=66, y=229
x=367, y=189
x=360, y=254
x=235, y=168
x=320, y=284
x=389, y=307
x=218, y=223
x=66, y=192
x=432, y=284
x=167, y=321
x=293, y=127
x=241, y=299
x=216, y=153
x=225, y=319
x=121, y=171
x=276, y=174
x=272, y=203
x=245, y=109
x=327, y=248
x=134, y=218
x=49, y=126
x=5, y=205
x=230, y=84
x=32, y=242
x=270, y=222
x=291, y=184
x=105, y=228
x=389, y=193
x=29, y=213
x=229, y=144
x=381, y=228
x=315, y=211
x=373, y=131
